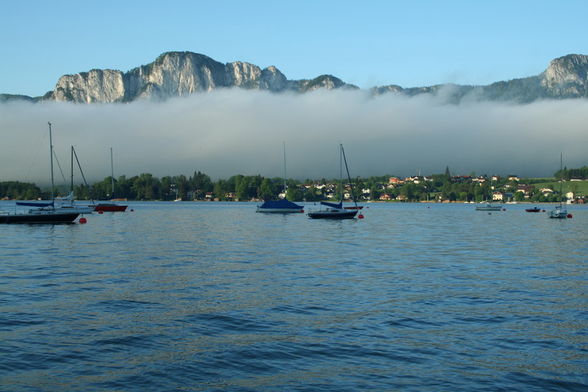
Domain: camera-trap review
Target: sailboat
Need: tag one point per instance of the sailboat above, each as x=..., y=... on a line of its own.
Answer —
x=336, y=210
x=68, y=201
x=281, y=206
x=487, y=206
x=110, y=206
x=559, y=212
x=44, y=212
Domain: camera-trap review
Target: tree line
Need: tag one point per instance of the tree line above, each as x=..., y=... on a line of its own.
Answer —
x=199, y=186
x=568, y=174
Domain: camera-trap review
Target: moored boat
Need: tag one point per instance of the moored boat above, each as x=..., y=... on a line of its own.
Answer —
x=534, y=209
x=333, y=211
x=336, y=210
x=46, y=211
x=559, y=212
x=280, y=206
x=41, y=215
x=489, y=207
x=110, y=206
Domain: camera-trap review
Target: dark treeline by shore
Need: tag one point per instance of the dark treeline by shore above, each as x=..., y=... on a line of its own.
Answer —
x=437, y=187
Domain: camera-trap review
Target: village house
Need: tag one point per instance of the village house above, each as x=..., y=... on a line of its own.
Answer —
x=461, y=179
x=385, y=197
x=525, y=189
x=497, y=196
x=570, y=196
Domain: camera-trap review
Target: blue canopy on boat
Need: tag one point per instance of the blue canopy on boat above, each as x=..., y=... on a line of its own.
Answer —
x=34, y=203
x=282, y=203
x=334, y=205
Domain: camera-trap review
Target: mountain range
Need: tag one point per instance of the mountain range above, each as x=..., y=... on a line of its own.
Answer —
x=175, y=74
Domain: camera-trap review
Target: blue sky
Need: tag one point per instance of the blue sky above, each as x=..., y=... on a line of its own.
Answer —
x=367, y=43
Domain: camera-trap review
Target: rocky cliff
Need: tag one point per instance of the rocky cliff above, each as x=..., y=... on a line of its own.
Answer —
x=176, y=74
x=565, y=77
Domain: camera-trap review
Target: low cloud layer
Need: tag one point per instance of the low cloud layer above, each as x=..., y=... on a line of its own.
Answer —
x=230, y=132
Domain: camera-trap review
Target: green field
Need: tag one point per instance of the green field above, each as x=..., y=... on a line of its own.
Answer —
x=578, y=187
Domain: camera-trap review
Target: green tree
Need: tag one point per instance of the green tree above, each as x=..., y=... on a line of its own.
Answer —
x=242, y=189
x=146, y=187
x=294, y=194
x=268, y=190
x=201, y=183
x=519, y=196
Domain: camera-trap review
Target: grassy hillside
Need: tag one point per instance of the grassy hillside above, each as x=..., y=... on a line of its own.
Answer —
x=578, y=187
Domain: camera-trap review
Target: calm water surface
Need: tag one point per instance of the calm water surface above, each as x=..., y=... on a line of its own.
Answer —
x=214, y=297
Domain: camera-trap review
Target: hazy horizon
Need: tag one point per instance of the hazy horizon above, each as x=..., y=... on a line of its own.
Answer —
x=229, y=132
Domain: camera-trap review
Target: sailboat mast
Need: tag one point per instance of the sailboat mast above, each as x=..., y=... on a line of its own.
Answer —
x=111, y=174
x=561, y=178
x=51, y=160
x=71, y=159
x=284, y=145
x=341, y=171
x=348, y=176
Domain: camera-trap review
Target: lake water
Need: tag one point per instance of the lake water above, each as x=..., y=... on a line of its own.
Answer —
x=215, y=297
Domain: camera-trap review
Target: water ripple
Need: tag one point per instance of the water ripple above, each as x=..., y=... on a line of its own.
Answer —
x=214, y=297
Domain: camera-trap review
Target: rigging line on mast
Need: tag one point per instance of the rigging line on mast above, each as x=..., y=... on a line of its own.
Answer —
x=81, y=171
x=348, y=176
x=59, y=166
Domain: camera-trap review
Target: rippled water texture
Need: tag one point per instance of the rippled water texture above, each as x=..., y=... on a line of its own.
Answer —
x=212, y=296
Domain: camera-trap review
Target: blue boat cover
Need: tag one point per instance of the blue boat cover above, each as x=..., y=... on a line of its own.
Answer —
x=334, y=205
x=34, y=203
x=283, y=203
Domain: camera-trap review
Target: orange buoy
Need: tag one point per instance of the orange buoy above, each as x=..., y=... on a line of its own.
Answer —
x=83, y=220
x=360, y=216
x=570, y=216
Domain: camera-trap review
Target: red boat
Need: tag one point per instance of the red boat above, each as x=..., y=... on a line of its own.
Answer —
x=110, y=207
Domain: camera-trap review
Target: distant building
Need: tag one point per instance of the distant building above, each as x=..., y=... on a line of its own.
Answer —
x=525, y=189
x=497, y=196
x=570, y=196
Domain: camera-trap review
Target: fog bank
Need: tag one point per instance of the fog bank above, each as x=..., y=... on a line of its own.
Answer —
x=229, y=132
